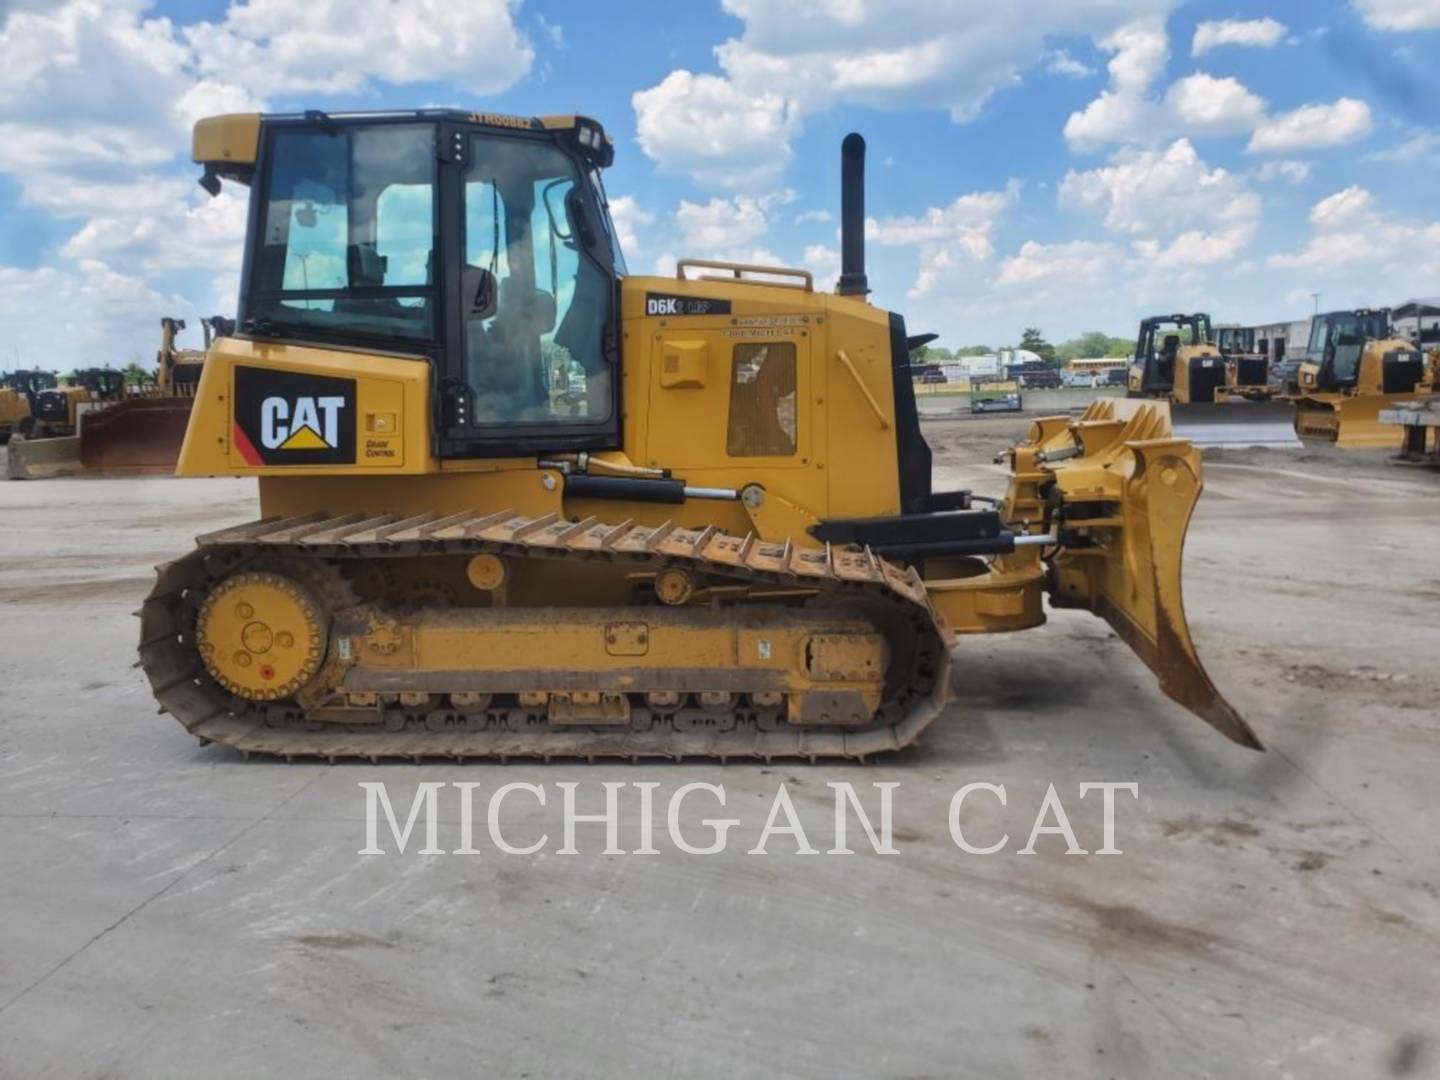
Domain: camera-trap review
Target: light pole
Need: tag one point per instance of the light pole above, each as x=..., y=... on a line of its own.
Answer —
x=1316, y=297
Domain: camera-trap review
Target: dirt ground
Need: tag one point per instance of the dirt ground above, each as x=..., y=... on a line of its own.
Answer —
x=168, y=910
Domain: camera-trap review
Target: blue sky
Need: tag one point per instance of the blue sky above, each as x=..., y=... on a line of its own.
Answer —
x=1068, y=164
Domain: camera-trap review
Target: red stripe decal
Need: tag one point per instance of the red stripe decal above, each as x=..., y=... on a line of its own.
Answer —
x=246, y=448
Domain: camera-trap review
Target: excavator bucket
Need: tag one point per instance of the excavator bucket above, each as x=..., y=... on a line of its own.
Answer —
x=1351, y=422
x=1236, y=423
x=1126, y=488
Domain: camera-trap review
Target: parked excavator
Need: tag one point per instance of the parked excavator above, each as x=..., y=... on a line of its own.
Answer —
x=1216, y=399
x=124, y=431
x=1355, y=368
x=18, y=390
x=716, y=535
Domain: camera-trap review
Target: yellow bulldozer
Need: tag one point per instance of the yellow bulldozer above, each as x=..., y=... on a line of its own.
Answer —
x=515, y=502
x=1354, y=369
x=102, y=426
x=58, y=410
x=18, y=390
x=1219, y=396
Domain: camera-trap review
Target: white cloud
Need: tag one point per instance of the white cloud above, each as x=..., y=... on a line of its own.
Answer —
x=730, y=228
x=1062, y=63
x=1163, y=196
x=1343, y=208
x=1400, y=14
x=97, y=99
x=968, y=222
x=1205, y=104
x=339, y=46
x=1073, y=261
x=958, y=237
x=1121, y=111
x=64, y=317
x=824, y=263
x=1313, y=126
x=1418, y=147
x=707, y=126
x=1258, y=33
x=813, y=217
x=1355, y=242
x=792, y=60
x=1292, y=172
x=629, y=216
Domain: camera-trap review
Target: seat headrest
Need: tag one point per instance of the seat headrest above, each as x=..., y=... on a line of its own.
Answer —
x=521, y=302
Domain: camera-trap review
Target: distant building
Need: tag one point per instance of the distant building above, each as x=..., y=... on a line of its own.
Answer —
x=1279, y=341
x=1418, y=320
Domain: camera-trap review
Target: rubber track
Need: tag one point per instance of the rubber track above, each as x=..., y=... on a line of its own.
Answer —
x=183, y=688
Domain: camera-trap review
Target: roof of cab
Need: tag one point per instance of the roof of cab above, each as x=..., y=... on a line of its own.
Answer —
x=231, y=142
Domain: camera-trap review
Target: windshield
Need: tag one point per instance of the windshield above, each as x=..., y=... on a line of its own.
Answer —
x=348, y=237
x=1344, y=335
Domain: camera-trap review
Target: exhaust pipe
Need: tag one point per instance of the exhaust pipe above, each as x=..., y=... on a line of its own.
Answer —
x=852, y=217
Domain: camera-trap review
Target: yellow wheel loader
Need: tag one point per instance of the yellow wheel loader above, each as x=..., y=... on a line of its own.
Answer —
x=1217, y=399
x=1354, y=370
x=18, y=390
x=515, y=502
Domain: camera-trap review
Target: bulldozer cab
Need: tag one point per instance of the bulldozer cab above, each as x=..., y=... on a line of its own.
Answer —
x=103, y=384
x=27, y=383
x=1355, y=350
x=482, y=243
x=1165, y=351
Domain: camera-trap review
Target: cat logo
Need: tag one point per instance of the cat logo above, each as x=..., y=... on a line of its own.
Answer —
x=305, y=429
x=293, y=418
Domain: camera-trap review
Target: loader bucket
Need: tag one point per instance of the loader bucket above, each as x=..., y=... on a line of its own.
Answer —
x=1351, y=422
x=1236, y=423
x=139, y=436
x=1128, y=500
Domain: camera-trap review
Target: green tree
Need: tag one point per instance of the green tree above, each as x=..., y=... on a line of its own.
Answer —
x=135, y=375
x=1034, y=340
x=1092, y=345
x=974, y=350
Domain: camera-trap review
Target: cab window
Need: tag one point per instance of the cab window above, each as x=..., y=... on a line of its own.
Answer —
x=535, y=306
x=348, y=236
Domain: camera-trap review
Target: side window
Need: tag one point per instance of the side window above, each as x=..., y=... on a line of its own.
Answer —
x=536, y=309
x=762, y=400
x=349, y=231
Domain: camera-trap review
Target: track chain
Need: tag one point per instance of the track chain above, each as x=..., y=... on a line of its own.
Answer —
x=184, y=689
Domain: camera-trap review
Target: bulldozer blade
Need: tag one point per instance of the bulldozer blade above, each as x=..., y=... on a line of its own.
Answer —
x=1350, y=422
x=42, y=459
x=140, y=436
x=1130, y=573
x=1236, y=423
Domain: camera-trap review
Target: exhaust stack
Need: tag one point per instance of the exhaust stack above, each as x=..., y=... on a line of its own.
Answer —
x=853, y=281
